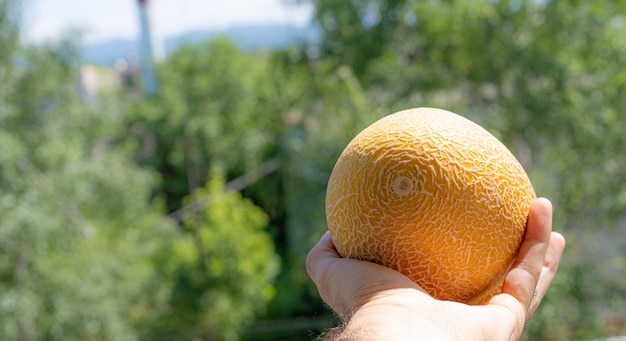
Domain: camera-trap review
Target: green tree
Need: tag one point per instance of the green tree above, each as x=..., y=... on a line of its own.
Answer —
x=357, y=32
x=206, y=115
x=77, y=228
x=221, y=268
x=210, y=114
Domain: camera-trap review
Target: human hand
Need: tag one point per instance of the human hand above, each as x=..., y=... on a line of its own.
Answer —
x=379, y=303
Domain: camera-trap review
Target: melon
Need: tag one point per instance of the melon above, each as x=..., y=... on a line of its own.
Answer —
x=434, y=196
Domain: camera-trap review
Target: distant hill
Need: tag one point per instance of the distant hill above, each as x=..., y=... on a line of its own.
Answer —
x=249, y=38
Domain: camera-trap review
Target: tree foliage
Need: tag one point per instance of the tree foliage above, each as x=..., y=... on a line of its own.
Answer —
x=220, y=270
x=114, y=226
x=77, y=222
x=207, y=116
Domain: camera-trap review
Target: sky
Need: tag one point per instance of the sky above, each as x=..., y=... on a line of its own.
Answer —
x=102, y=20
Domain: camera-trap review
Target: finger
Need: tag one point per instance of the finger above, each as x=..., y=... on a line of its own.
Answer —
x=522, y=280
x=346, y=284
x=320, y=256
x=550, y=267
x=332, y=275
x=321, y=263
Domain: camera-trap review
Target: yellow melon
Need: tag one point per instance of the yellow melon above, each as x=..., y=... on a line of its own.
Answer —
x=434, y=196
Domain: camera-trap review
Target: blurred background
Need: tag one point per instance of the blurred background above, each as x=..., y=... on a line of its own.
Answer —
x=163, y=164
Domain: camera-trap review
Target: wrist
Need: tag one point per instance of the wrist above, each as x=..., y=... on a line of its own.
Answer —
x=398, y=314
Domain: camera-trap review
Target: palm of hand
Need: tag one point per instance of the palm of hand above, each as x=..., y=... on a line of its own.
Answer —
x=379, y=299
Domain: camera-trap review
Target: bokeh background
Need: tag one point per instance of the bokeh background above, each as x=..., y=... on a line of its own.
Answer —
x=174, y=196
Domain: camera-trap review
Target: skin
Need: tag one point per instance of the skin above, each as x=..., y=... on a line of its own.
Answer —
x=379, y=303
